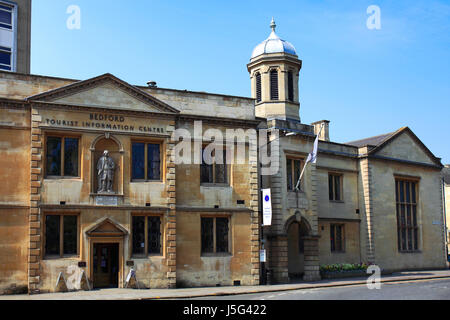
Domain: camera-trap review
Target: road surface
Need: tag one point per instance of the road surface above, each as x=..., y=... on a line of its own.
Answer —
x=438, y=289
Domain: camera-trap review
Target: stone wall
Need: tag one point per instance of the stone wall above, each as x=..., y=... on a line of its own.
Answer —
x=429, y=215
x=352, y=247
x=195, y=269
x=205, y=104
x=20, y=86
x=237, y=199
x=151, y=271
x=13, y=250
x=15, y=157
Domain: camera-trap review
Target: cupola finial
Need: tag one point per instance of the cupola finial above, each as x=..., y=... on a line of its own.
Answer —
x=273, y=25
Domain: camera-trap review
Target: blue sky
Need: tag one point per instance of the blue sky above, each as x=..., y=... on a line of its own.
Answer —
x=366, y=82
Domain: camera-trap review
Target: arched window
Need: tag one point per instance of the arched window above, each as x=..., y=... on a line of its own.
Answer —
x=258, y=87
x=273, y=84
x=290, y=86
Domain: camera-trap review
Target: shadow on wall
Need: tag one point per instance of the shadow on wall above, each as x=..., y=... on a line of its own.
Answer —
x=13, y=289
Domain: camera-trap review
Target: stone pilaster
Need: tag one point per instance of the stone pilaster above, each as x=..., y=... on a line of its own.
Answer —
x=311, y=254
x=279, y=258
x=34, y=247
x=254, y=204
x=311, y=243
x=314, y=196
x=171, y=222
x=366, y=176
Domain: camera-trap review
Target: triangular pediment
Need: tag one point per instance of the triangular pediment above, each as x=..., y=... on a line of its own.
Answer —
x=405, y=145
x=107, y=92
x=106, y=228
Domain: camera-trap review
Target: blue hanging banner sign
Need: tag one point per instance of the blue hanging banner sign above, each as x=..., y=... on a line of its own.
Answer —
x=267, y=207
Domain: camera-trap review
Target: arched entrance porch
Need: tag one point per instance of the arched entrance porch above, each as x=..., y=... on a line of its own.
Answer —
x=297, y=231
x=303, y=250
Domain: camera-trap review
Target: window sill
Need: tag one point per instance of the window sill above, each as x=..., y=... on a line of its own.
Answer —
x=215, y=185
x=146, y=257
x=107, y=195
x=410, y=251
x=338, y=252
x=67, y=257
x=52, y=178
x=216, y=255
x=146, y=181
x=337, y=201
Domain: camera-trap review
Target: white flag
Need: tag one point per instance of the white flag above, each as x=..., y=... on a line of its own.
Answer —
x=312, y=157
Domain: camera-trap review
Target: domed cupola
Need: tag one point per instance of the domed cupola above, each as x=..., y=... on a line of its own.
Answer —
x=274, y=71
x=273, y=44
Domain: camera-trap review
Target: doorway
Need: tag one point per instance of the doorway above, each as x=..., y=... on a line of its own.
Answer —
x=296, y=256
x=106, y=265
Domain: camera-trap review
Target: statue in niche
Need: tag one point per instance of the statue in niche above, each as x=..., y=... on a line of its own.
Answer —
x=105, y=168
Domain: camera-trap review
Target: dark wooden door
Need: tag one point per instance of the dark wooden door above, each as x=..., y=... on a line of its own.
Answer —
x=106, y=265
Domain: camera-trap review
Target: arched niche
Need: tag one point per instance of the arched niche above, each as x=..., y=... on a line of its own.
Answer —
x=116, y=152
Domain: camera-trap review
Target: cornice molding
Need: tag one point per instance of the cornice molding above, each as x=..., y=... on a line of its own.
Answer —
x=137, y=113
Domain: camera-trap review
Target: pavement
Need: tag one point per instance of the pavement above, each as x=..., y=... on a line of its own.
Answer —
x=153, y=294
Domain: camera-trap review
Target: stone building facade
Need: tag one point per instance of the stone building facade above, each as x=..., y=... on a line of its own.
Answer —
x=73, y=216
x=158, y=217
x=376, y=200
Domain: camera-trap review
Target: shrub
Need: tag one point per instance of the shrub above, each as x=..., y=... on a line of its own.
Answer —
x=342, y=267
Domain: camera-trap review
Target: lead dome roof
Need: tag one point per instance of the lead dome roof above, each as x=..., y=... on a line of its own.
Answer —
x=273, y=44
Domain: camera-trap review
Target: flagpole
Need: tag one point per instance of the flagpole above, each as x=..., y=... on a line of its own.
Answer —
x=300, y=178
x=304, y=167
